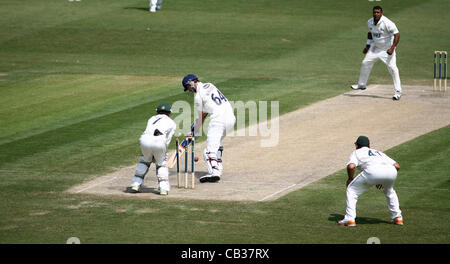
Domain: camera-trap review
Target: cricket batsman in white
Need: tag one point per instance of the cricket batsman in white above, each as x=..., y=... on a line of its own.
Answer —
x=210, y=101
x=377, y=169
x=154, y=143
x=382, y=39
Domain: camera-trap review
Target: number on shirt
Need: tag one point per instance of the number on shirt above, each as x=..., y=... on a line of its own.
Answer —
x=372, y=154
x=218, y=99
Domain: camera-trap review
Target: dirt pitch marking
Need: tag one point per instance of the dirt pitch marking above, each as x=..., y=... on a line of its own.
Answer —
x=315, y=141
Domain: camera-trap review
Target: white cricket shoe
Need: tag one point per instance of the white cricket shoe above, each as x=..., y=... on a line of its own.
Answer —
x=357, y=87
x=164, y=192
x=135, y=188
x=153, y=10
x=345, y=222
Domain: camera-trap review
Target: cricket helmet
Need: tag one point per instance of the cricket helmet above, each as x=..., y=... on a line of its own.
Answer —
x=187, y=80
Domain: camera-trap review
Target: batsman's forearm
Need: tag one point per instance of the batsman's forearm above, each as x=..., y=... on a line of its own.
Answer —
x=204, y=115
x=197, y=125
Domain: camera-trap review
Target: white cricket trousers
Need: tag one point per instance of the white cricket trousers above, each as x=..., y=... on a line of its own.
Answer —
x=379, y=174
x=390, y=61
x=155, y=4
x=216, y=133
x=154, y=149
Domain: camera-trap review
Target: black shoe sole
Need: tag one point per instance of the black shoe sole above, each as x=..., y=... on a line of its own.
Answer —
x=210, y=179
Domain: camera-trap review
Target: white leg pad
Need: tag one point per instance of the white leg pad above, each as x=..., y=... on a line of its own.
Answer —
x=142, y=167
x=162, y=172
x=219, y=159
x=211, y=163
x=136, y=181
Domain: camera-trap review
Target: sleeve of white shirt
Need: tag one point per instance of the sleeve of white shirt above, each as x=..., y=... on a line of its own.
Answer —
x=387, y=159
x=171, y=132
x=149, y=126
x=353, y=159
x=391, y=27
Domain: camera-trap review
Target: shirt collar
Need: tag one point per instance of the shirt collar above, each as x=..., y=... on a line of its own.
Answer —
x=199, y=86
x=379, y=21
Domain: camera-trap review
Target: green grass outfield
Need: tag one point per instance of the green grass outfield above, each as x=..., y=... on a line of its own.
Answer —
x=79, y=80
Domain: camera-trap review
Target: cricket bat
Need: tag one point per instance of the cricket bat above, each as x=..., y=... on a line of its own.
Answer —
x=181, y=149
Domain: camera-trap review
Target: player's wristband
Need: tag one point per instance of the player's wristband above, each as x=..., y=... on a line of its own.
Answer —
x=369, y=41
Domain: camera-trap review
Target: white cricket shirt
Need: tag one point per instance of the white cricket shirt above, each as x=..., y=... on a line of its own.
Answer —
x=366, y=157
x=164, y=124
x=209, y=99
x=383, y=32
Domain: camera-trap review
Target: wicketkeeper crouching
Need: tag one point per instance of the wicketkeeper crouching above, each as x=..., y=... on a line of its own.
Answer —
x=154, y=143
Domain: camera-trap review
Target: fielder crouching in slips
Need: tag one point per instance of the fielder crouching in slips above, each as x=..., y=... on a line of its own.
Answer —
x=154, y=143
x=210, y=101
x=377, y=169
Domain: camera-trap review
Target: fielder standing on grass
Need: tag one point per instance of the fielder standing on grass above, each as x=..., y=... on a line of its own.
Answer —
x=154, y=142
x=210, y=101
x=377, y=170
x=382, y=39
x=155, y=5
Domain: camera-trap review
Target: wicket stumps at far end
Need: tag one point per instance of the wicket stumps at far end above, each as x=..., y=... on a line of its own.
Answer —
x=188, y=148
x=440, y=58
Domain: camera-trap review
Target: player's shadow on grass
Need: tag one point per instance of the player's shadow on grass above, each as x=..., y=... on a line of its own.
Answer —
x=359, y=220
x=146, y=9
x=368, y=95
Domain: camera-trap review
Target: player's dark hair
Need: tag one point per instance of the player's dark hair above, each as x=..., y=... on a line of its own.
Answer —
x=359, y=146
x=378, y=8
x=167, y=113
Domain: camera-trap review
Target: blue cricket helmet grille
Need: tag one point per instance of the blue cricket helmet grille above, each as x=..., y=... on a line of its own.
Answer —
x=187, y=79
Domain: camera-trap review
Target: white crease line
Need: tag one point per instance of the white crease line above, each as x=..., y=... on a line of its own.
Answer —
x=92, y=186
x=275, y=193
